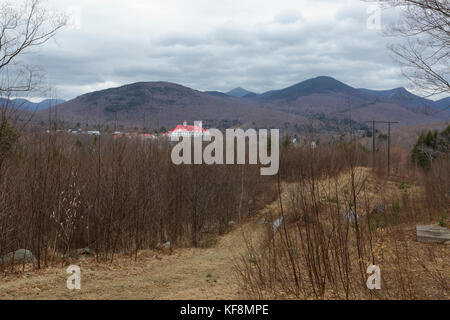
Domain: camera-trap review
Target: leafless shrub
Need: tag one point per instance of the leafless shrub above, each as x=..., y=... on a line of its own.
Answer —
x=339, y=219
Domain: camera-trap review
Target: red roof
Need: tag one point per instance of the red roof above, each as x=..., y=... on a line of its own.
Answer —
x=188, y=128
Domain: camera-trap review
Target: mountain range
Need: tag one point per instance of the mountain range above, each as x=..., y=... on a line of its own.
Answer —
x=327, y=103
x=24, y=104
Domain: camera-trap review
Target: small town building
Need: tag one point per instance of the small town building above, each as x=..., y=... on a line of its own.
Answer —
x=186, y=130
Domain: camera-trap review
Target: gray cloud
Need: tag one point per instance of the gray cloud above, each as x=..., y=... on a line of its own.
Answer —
x=289, y=16
x=259, y=45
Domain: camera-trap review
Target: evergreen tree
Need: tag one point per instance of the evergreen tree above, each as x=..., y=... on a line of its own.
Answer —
x=429, y=146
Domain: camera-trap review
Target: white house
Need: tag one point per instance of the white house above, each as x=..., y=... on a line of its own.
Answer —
x=188, y=131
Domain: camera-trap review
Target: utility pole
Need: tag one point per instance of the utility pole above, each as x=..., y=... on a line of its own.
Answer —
x=144, y=122
x=389, y=143
x=373, y=143
x=389, y=149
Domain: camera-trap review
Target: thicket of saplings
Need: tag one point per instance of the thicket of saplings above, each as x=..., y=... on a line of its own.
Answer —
x=338, y=219
x=61, y=192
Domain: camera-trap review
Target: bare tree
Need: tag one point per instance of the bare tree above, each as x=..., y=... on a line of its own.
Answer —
x=22, y=28
x=424, y=53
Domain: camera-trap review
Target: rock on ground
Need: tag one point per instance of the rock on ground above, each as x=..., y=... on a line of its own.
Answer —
x=18, y=256
x=166, y=245
x=86, y=251
x=379, y=208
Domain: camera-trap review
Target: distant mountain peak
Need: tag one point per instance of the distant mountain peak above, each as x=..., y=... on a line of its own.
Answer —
x=324, y=78
x=318, y=85
x=238, y=92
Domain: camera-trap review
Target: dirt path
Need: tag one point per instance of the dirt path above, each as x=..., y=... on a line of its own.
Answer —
x=185, y=274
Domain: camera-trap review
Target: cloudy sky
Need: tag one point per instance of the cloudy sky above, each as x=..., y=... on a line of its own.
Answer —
x=216, y=45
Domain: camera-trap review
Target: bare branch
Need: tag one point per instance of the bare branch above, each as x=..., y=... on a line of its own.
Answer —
x=22, y=28
x=424, y=55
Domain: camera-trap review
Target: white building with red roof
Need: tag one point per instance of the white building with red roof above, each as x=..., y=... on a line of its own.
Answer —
x=183, y=130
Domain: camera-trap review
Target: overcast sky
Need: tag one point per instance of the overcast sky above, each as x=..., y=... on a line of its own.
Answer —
x=216, y=45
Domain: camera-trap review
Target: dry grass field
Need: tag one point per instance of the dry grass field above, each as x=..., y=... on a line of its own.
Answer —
x=210, y=273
